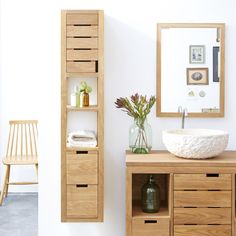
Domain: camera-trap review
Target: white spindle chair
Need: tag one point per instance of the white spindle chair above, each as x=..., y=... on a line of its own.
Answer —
x=21, y=150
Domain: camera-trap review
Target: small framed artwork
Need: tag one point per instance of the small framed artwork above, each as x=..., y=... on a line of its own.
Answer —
x=197, y=76
x=196, y=54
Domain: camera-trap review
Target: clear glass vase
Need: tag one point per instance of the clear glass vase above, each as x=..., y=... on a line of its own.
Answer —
x=140, y=137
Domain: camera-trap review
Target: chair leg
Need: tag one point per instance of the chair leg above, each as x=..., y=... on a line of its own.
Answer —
x=36, y=166
x=4, y=184
x=8, y=178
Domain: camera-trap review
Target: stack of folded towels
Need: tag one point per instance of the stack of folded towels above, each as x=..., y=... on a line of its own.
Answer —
x=82, y=138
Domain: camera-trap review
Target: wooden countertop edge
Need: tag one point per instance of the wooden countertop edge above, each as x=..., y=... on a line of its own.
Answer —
x=164, y=158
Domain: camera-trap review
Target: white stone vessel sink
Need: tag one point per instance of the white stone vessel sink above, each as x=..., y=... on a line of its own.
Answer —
x=195, y=143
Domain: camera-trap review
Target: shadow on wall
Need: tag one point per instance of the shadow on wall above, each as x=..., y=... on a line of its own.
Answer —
x=129, y=67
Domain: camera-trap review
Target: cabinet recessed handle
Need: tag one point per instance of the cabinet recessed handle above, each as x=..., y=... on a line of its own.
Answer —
x=81, y=152
x=81, y=185
x=212, y=175
x=96, y=66
x=150, y=221
x=81, y=24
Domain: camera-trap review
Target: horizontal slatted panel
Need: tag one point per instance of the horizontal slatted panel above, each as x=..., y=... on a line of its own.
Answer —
x=147, y=227
x=81, y=43
x=82, y=201
x=82, y=169
x=202, y=216
x=202, y=198
x=82, y=55
x=73, y=31
x=81, y=67
x=81, y=19
x=202, y=181
x=202, y=230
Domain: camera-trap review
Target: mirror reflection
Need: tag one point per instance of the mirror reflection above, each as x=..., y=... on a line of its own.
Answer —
x=190, y=69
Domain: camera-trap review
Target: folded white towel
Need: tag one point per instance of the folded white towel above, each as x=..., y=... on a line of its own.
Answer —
x=82, y=138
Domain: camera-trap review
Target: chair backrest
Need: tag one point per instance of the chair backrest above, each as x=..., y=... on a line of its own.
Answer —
x=23, y=138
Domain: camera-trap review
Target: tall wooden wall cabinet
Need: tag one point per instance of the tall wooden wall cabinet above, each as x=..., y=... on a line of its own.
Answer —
x=81, y=168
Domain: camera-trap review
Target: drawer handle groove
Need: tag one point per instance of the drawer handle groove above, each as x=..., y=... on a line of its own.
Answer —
x=80, y=49
x=81, y=185
x=81, y=152
x=212, y=175
x=190, y=190
x=81, y=60
x=81, y=37
x=96, y=66
x=150, y=221
x=82, y=25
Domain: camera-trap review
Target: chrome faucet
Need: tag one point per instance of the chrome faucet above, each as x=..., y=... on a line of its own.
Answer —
x=184, y=113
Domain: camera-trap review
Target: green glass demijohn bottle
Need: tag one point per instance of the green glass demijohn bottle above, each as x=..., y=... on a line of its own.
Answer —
x=151, y=197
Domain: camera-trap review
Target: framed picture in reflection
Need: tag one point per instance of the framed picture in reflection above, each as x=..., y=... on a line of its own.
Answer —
x=196, y=54
x=197, y=76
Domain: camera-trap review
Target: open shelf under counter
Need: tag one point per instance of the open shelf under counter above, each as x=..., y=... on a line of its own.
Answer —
x=81, y=75
x=138, y=213
x=89, y=108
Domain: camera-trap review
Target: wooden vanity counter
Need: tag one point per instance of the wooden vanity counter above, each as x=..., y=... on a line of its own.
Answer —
x=197, y=196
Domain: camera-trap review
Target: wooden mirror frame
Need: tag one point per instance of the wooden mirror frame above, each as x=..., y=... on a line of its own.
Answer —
x=220, y=26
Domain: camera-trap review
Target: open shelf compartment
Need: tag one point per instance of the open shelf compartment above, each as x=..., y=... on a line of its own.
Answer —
x=163, y=181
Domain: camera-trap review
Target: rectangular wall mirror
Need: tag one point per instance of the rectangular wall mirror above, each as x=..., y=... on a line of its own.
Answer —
x=190, y=69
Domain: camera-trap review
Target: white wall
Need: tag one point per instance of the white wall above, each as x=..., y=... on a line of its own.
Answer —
x=30, y=87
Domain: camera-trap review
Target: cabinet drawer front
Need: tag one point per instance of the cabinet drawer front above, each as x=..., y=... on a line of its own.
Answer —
x=202, y=198
x=202, y=181
x=82, y=201
x=82, y=168
x=81, y=19
x=85, y=31
x=150, y=227
x=202, y=230
x=80, y=55
x=81, y=67
x=202, y=216
x=81, y=43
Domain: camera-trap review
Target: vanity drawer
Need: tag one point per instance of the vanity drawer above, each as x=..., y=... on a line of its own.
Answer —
x=150, y=227
x=201, y=216
x=82, y=201
x=202, y=198
x=82, y=168
x=202, y=230
x=202, y=181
